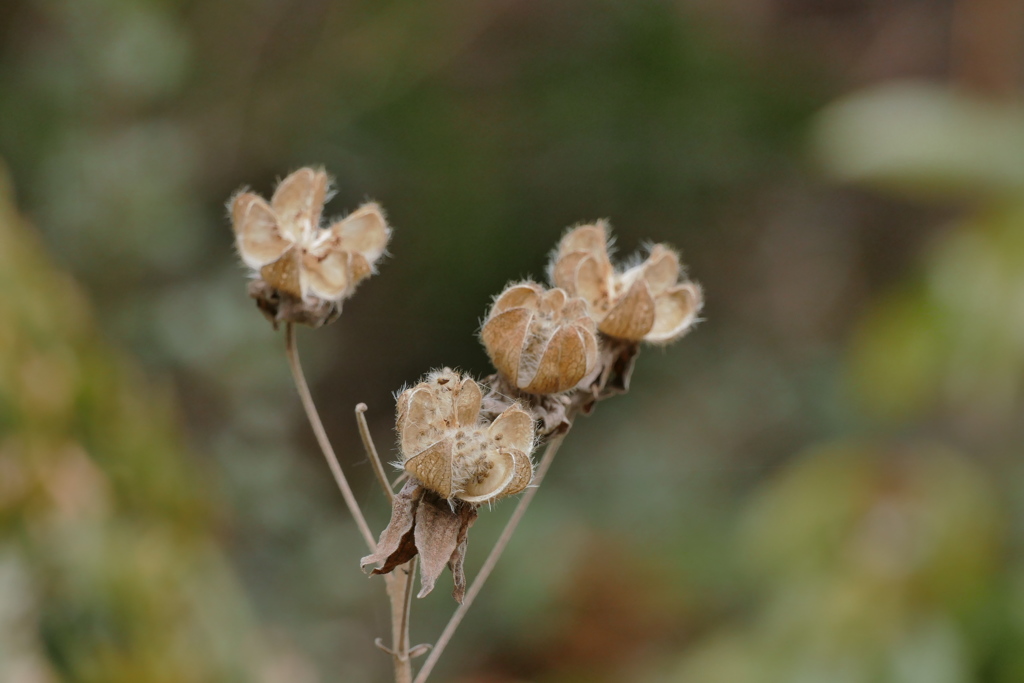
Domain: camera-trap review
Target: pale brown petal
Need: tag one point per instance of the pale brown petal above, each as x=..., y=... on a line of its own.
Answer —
x=553, y=301
x=633, y=316
x=299, y=200
x=446, y=384
x=587, y=334
x=468, y=403
x=433, y=468
x=563, y=364
x=563, y=271
x=675, y=312
x=661, y=269
x=365, y=231
x=257, y=234
x=592, y=284
x=503, y=337
x=328, y=276
x=524, y=474
x=358, y=267
x=285, y=273
x=397, y=545
x=513, y=429
x=437, y=538
x=492, y=482
x=589, y=238
x=419, y=424
x=576, y=310
x=526, y=295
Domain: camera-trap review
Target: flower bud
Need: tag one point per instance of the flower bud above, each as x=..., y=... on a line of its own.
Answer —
x=541, y=341
x=447, y=449
x=648, y=302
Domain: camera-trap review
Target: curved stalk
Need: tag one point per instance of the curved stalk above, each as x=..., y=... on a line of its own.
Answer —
x=321, y=436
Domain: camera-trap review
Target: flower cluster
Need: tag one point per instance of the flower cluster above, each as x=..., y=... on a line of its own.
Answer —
x=556, y=350
x=455, y=463
x=447, y=448
x=647, y=302
x=543, y=342
x=304, y=271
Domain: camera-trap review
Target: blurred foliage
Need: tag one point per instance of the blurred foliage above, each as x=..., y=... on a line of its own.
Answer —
x=108, y=568
x=822, y=483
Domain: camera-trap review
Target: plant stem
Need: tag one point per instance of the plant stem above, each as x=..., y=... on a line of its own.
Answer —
x=492, y=558
x=321, y=436
x=399, y=589
x=371, y=451
x=399, y=582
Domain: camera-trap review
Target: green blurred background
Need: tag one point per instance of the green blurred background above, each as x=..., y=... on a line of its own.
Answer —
x=823, y=483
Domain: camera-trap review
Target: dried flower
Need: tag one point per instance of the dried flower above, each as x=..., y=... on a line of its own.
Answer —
x=647, y=302
x=542, y=342
x=456, y=463
x=305, y=271
x=449, y=451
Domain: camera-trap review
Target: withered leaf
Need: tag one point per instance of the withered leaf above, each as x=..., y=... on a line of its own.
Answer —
x=468, y=513
x=437, y=536
x=397, y=544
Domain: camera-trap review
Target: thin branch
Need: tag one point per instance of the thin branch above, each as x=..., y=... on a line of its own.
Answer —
x=321, y=436
x=492, y=558
x=410, y=575
x=399, y=589
x=371, y=451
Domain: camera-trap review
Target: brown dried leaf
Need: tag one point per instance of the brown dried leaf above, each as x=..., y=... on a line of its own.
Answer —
x=397, y=544
x=468, y=513
x=436, y=531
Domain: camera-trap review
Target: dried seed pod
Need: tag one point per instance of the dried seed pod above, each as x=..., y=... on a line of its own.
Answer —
x=446, y=448
x=542, y=341
x=305, y=271
x=651, y=301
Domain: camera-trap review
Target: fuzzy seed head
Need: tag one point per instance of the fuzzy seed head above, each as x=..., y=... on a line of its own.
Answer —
x=283, y=242
x=542, y=341
x=652, y=301
x=446, y=447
